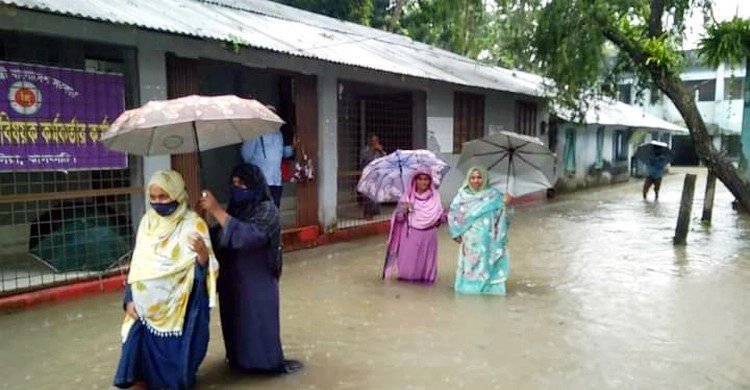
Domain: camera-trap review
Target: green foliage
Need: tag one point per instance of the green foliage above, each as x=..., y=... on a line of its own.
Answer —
x=726, y=42
x=235, y=44
x=465, y=27
x=570, y=41
x=460, y=26
x=662, y=53
x=358, y=11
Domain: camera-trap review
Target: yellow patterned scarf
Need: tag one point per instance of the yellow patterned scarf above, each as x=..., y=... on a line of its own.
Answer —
x=162, y=270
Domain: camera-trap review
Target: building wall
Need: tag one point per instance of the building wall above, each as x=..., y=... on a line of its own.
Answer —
x=721, y=116
x=440, y=119
x=153, y=46
x=499, y=112
x=586, y=174
x=499, y=115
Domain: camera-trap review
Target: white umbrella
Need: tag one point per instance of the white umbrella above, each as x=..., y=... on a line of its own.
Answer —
x=190, y=124
x=518, y=164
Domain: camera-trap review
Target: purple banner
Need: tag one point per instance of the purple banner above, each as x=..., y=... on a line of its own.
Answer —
x=52, y=119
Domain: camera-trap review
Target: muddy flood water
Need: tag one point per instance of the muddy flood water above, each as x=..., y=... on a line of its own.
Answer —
x=598, y=298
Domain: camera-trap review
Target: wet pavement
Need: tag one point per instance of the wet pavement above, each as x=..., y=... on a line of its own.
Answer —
x=598, y=298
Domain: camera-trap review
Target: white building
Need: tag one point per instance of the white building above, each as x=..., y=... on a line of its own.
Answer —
x=599, y=151
x=719, y=96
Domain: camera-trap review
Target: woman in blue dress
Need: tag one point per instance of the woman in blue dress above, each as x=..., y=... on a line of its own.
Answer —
x=478, y=222
x=248, y=246
x=171, y=286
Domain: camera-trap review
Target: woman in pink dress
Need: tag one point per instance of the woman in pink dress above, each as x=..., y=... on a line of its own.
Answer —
x=412, y=243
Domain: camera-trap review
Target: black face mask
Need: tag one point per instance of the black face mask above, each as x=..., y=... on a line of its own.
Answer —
x=165, y=209
x=242, y=195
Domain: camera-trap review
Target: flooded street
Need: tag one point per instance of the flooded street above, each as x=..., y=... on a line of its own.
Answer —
x=598, y=298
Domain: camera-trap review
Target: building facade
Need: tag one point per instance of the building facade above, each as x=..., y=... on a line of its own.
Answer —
x=333, y=82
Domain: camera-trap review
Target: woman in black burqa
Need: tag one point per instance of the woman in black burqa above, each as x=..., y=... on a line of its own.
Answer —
x=248, y=246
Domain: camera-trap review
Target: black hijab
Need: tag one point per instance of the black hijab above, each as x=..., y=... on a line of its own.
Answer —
x=260, y=211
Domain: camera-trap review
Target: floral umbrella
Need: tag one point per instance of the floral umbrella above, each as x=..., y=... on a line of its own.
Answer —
x=386, y=178
x=190, y=124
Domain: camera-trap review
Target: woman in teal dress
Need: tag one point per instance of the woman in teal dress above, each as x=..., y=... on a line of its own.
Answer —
x=478, y=222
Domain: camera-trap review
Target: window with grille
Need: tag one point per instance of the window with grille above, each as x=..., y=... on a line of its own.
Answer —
x=704, y=90
x=733, y=88
x=624, y=93
x=526, y=118
x=365, y=110
x=58, y=225
x=468, y=119
x=621, y=145
x=570, y=151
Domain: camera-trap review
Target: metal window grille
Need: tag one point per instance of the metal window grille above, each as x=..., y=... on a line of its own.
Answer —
x=526, y=118
x=704, y=90
x=468, y=119
x=364, y=110
x=624, y=93
x=621, y=145
x=58, y=227
x=733, y=88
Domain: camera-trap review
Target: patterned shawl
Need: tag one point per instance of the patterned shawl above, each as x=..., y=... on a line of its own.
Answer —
x=162, y=269
x=479, y=218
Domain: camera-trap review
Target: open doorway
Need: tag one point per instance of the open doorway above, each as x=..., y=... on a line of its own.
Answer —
x=365, y=110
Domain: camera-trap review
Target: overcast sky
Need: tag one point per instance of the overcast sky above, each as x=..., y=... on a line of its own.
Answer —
x=723, y=10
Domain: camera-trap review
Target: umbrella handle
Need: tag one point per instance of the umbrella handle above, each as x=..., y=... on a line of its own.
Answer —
x=507, y=176
x=200, y=158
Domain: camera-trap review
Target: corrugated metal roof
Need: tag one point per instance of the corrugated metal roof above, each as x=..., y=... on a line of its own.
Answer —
x=612, y=112
x=271, y=26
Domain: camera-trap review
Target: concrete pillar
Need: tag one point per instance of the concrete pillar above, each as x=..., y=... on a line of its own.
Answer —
x=440, y=137
x=152, y=80
x=440, y=119
x=720, y=86
x=745, y=134
x=419, y=120
x=327, y=150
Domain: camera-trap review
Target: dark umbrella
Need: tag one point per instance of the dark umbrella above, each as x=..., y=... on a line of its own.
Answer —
x=646, y=152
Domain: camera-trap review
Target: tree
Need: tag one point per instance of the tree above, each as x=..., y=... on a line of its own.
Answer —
x=460, y=26
x=358, y=11
x=465, y=27
x=730, y=42
x=569, y=42
x=398, y=8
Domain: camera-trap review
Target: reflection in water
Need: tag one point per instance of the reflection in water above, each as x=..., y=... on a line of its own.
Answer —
x=598, y=297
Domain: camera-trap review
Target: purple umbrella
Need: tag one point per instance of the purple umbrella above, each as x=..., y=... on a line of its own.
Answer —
x=385, y=179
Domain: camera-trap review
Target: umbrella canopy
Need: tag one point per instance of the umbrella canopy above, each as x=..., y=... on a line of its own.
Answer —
x=646, y=152
x=518, y=164
x=190, y=124
x=385, y=179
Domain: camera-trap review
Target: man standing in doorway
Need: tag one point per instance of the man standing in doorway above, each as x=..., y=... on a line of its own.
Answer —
x=369, y=153
x=266, y=152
